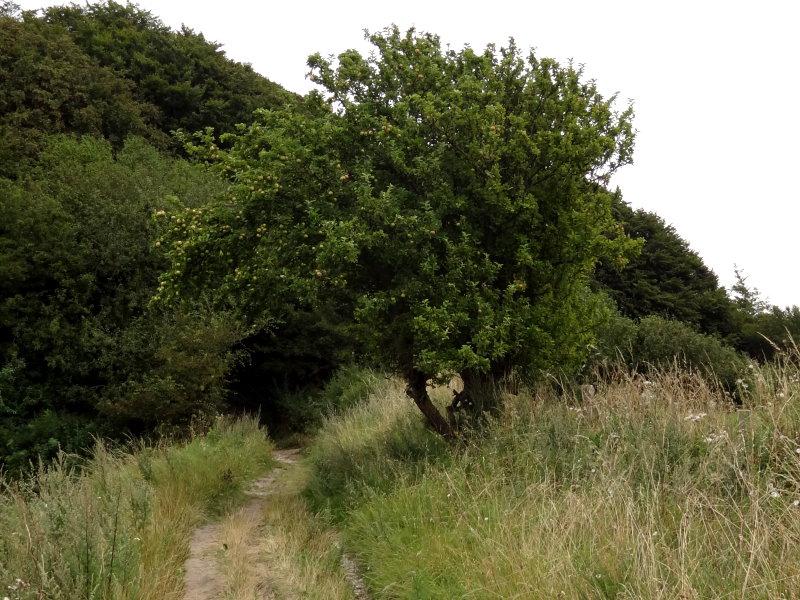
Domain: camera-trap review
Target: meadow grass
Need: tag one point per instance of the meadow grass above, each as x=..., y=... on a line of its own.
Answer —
x=119, y=525
x=651, y=488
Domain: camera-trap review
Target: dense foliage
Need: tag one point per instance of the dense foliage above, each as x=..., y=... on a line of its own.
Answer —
x=446, y=202
x=81, y=351
x=763, y=330
x=666, y=278
x=184, y=76
x=654, y=343
x=669, y=280
x=49, y=85
x=429, y=211
x=110, y=71
x=78, y=266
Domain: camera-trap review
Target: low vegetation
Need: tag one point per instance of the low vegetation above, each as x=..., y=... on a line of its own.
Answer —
x=653, y=487
x=118, y=526
x=656, y=343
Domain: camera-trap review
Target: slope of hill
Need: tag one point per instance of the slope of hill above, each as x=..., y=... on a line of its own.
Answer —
x=113, y=70
x=650, y=488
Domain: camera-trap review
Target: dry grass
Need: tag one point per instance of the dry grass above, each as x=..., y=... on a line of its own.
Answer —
x=275, y=548
x=241, y=562
x=120, y=527
x=303, y=552
x=653, y=489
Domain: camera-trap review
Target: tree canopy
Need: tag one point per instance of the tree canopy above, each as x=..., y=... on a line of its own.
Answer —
x=448, y=204
x=89, y=96
x=667, y=278
x=112, y=70
x=187, y=78
x=78, y=266
x=49, y=85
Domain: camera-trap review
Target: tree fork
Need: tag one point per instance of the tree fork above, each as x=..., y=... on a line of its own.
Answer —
x=417, y=390
x=480, y=396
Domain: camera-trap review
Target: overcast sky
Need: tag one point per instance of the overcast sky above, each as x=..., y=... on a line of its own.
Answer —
x=714, y=84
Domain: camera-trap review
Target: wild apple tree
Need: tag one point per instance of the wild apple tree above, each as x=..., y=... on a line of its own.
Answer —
x=448, y=206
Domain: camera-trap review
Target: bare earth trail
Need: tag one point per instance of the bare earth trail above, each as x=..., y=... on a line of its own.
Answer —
x=230, y=551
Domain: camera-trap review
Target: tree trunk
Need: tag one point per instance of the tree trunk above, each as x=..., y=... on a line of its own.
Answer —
x=418, y=391
x=480, y=397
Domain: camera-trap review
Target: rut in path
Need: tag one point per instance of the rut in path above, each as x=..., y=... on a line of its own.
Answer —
x=205, y=580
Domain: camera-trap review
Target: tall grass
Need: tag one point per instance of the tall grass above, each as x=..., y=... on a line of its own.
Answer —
x=120, y=526
x=368, y=447
x=657, y=488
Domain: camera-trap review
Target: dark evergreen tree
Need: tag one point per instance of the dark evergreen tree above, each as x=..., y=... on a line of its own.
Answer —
x=667, y=278
x=49, y=85
x=762, y=330
x=186, y=77
x=109, y=70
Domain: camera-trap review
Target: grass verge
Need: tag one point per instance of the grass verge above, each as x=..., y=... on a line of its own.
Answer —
x=653, y=488
x=120, y=526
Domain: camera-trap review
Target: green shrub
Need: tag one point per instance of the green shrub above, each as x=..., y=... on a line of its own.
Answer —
x=175, y=366
x=764, y=334
x=49, y=85
x=667, y=278
x=185, y=79
x=78, y=266
x=23, y=442
x=655, y=342
x=616, y=336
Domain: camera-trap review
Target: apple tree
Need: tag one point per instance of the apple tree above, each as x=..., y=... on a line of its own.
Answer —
x=446, y=207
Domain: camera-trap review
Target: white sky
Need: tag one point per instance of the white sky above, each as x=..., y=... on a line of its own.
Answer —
x=714, y=83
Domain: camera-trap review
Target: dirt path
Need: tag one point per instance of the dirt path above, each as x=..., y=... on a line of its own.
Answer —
x=271, y=547
x=203, y=579
x=353, y=576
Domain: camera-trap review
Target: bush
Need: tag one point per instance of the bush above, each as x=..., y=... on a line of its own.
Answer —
x=764, y=334
x=23, y=442
x=49, y=85
x=185, y=79
x=78, y=266
x=667, y=278
x=658, y=342
x=176, y=367
x=616, y=336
